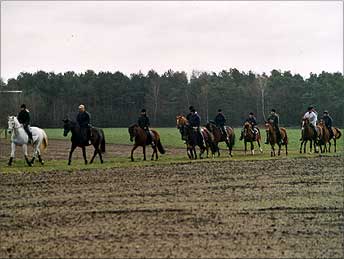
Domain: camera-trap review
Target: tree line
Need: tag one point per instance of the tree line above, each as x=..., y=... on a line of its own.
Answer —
x=115, y=99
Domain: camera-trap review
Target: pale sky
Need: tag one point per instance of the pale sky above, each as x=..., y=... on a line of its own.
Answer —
x=129, y=37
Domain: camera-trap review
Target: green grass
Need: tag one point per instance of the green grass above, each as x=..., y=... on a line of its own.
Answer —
x=170, y=139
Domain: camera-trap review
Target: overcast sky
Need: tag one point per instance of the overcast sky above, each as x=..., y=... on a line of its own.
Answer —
x=302, y=37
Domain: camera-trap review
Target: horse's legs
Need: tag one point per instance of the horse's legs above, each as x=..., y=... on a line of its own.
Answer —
x=155, y=151
x=144, y=152
x=273, y=150
x=70, y=153
x=245, y=146
x=13, y=152
x=260, y=148
x=194, y=152
x=96, y=150
x=36, y=152
x=286, y=149
x=329, y=146
x=84, y=154
x=301, y=146
x=279, y=149
x=26, y=155
x=132, y=152
x=335, y=145
x=252, y=148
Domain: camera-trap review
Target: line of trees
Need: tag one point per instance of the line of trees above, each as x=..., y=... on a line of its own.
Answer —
x=115, y=99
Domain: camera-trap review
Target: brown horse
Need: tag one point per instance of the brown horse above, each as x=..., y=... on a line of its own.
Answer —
x=308, y=134
x=192, y=138
x=271, y=131
x=97, y=140
x=324, y=137
x=219, y=136
x=141, y=141
x=250, y=137
x=336, y=135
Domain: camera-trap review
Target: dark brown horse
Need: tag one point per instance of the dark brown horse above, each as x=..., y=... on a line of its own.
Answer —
x=308, y=134
x=97, y=140
x=140, y=137
x=336, y=135
x=219, y=136
x=250, y=137
x=272, y=139
x=192, y=138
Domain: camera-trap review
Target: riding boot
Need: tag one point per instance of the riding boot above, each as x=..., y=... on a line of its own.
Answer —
x=30, y=140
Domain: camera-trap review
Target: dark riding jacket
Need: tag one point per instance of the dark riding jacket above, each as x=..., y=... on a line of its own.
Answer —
x=83, y=119
x=24, y=117
x=220, y=120
x=143, y=122
x=328, y=121
x=195, y=120
x=274, y=120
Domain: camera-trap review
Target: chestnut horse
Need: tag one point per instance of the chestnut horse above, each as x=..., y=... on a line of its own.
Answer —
x=141, y=141
x=271, y=131
x=336, y=135
x=219, y=136
x=325, y=137
x=192, y=138
x=250, y=137
x=308, y=134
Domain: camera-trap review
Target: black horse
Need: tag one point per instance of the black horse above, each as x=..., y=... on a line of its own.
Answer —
x=97, y=140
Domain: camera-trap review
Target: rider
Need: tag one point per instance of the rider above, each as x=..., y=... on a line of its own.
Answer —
x=24, y=118
x=84, y=118
x=312, y=115
x=143, y=122
x=274, y=120
x=195, y=121
x=328, y=122
x=252, y=120
x=220, y=121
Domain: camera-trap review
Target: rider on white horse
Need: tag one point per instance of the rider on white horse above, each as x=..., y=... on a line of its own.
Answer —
x=20, y=137
x=24, y=118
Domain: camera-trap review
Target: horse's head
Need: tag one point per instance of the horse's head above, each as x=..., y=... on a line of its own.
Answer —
x=181, y=121
x=247, y=125
x=11, y=124
x=67, y=126
x=182, y=125
x=211, y=126
x=305, y=121
x=132, y=129
x=268, y=126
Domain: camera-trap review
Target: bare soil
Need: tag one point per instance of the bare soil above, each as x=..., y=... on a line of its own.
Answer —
x=290, y=208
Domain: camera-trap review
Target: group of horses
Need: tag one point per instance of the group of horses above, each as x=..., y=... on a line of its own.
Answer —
x=318, y=136
x=207, y=137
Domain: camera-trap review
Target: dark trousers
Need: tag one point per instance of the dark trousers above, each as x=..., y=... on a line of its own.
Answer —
x=27, y=130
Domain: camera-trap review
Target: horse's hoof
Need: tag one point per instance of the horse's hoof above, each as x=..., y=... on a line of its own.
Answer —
x=42, y=162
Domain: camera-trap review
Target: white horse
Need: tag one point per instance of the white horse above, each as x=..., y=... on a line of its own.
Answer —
x=20, y=138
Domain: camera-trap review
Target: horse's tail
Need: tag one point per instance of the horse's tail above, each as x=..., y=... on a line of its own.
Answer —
x=232, y=140
x=102, y=143
x=44, y=143
x=339, y=133
x=160, y=147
